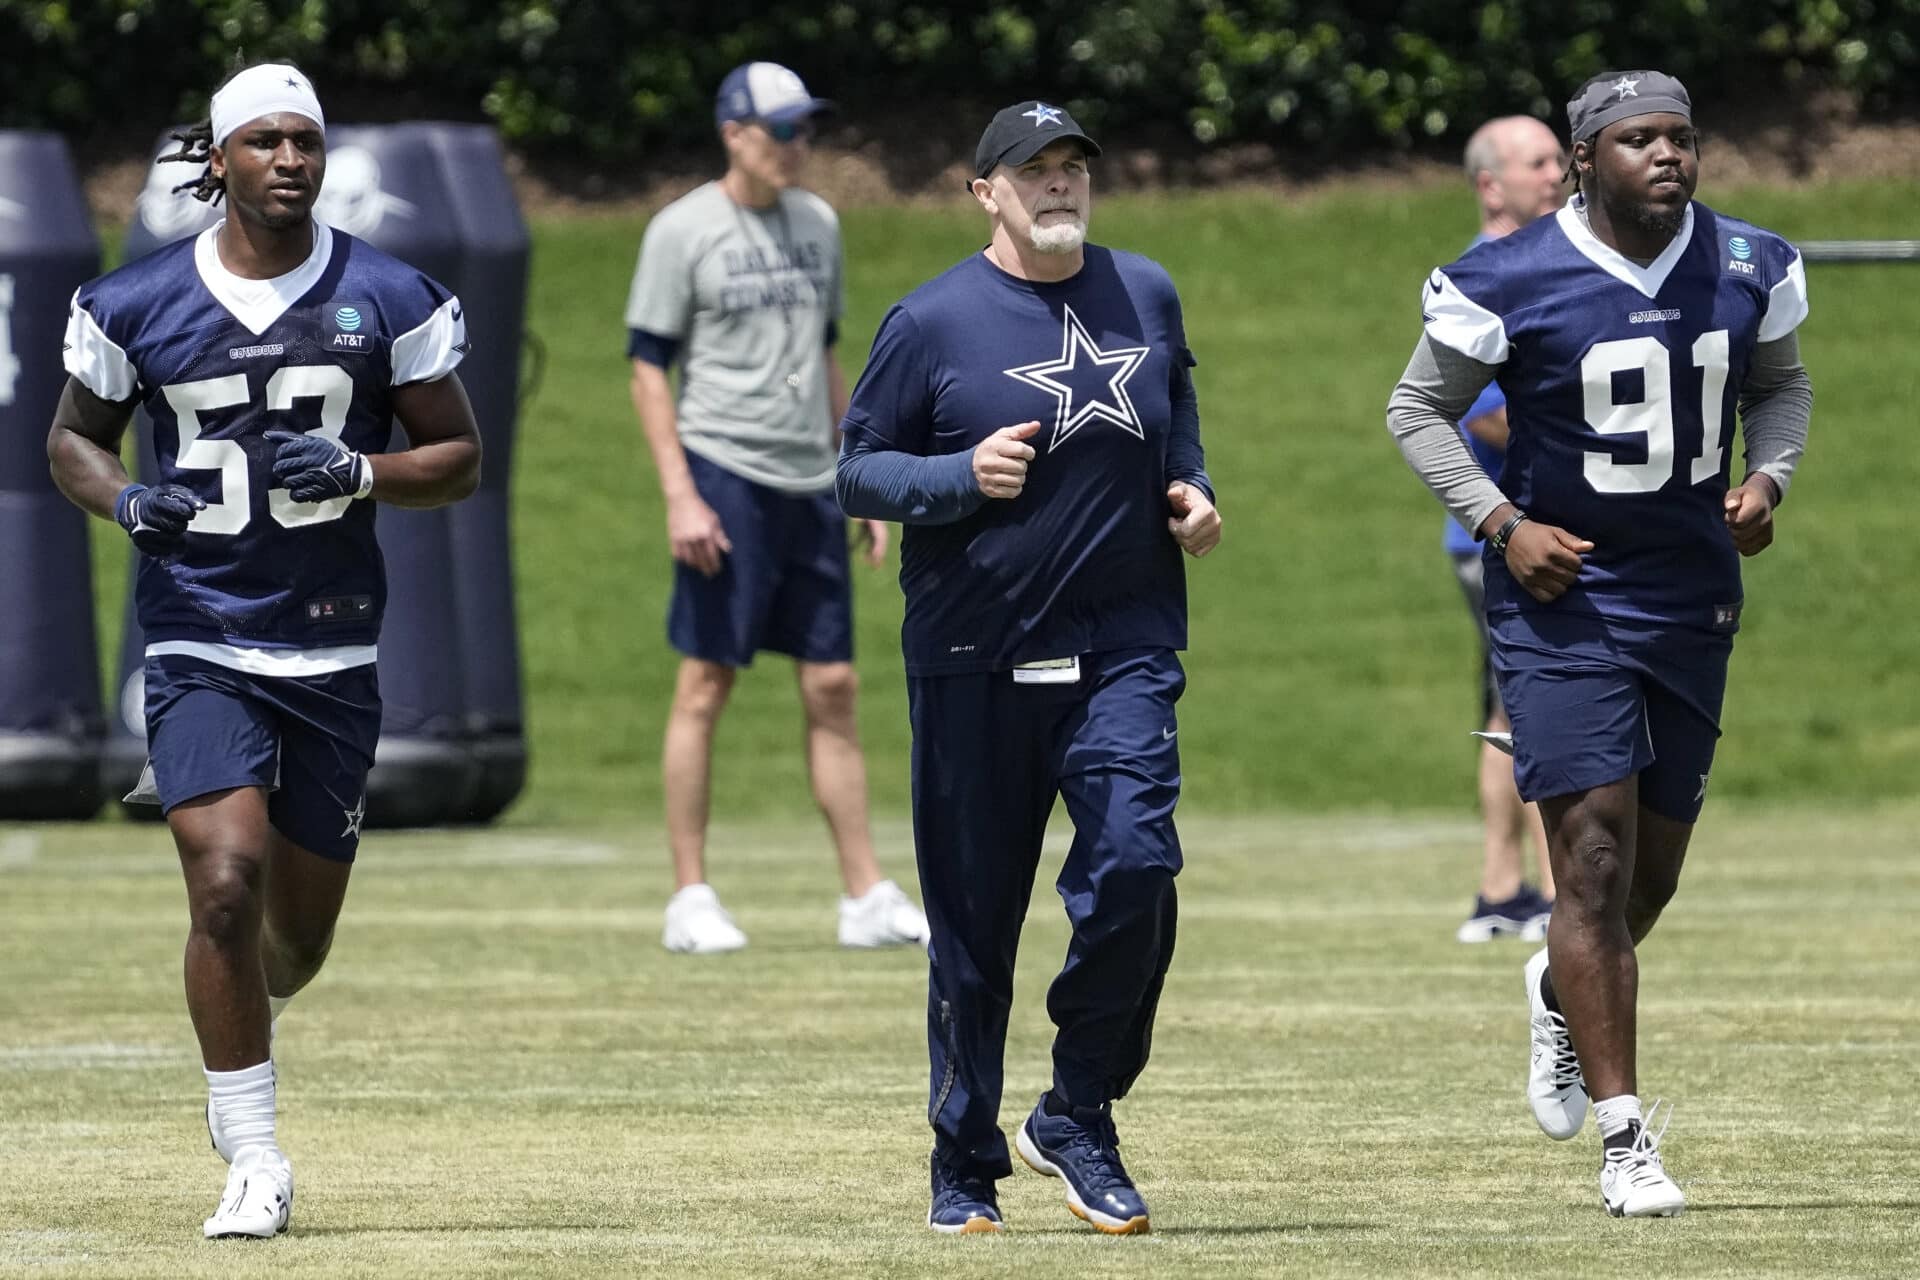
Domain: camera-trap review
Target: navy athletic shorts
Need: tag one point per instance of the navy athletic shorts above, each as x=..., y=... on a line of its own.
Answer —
x=1594, y=701
x=785, y=587
x=310, y=739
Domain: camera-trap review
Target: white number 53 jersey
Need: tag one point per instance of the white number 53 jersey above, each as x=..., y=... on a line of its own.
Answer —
x=218, y=361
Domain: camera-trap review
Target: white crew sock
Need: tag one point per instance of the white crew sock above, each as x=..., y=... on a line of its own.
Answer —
x=1615, y=1114
x=243, y=1106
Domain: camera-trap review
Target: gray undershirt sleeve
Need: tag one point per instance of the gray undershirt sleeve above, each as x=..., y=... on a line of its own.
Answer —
x=1435, y=392
x=1776, y=405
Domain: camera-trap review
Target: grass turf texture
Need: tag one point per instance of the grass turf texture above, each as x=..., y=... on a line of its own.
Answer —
x=500, y=1072
x=1332, y=664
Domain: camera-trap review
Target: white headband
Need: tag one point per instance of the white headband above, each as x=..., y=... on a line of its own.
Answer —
x=261, y=91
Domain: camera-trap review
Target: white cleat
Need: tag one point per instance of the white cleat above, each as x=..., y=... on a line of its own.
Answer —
x=881, y=917
x=1634, y=1182
x=258, y=1203
x=698, y=925
x=1555, y=1089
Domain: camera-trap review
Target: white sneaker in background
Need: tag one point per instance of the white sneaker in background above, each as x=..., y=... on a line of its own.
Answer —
x=259, y=1199
x=883, y=916
x=1633, y=1180
x=1555, y=1089
x=698, y=925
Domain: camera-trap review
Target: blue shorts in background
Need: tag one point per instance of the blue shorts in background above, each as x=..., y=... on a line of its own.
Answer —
x=785, y=587
x=309, y=739
x=1596, y=700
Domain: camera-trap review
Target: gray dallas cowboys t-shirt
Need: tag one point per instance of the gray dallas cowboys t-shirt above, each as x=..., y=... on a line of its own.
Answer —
x=748, y=295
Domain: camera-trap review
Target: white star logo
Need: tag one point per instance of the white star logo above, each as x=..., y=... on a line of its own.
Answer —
x=355, y=816
x=1042, y=114
x=1624, y=86
x=1112, y=405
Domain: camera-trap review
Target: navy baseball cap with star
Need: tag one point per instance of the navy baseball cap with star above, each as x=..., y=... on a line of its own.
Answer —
x=765, y=91
x=1020, y=132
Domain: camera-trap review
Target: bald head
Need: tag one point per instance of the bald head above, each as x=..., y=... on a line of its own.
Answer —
x=1517, y=169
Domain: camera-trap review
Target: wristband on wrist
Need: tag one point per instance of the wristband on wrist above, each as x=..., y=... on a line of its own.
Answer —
x=121, y=513
x=1498, y=538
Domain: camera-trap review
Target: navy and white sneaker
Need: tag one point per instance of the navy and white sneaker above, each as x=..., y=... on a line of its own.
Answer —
x=963, y=1204
x=1522, y=916
x=1082, y=1150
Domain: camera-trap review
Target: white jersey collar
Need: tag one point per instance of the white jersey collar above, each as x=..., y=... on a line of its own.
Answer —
x=1648, y=279
x=258, y=303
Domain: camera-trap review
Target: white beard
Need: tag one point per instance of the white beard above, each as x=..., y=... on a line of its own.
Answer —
x=1059, y=237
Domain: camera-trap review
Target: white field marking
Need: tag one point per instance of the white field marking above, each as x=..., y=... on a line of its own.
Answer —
x=104, y=1055
x=18, y=850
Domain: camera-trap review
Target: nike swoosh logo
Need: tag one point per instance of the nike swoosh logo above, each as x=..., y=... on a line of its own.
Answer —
x=1166, y=735
x=456, y=312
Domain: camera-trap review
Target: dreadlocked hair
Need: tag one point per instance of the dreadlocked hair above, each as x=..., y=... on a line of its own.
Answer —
x=196, y=147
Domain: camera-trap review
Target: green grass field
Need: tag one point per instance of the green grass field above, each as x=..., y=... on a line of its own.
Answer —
x=501, y=1074
x=1332, y=666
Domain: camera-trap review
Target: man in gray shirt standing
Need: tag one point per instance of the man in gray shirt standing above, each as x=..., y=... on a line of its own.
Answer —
x=740, y=283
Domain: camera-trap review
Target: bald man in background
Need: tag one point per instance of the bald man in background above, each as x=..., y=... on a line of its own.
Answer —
x=1518, y=170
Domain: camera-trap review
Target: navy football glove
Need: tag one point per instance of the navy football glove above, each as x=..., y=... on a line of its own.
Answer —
x=314, y=469
x=156, y=518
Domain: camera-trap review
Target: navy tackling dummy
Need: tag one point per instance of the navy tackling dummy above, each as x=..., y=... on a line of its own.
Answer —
x=272, y=354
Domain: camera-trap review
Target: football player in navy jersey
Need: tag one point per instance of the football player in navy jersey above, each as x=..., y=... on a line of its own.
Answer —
x=272, y=354
x=1030, y=418
x=1626, y=331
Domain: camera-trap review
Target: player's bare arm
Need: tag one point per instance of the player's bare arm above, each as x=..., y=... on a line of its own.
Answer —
x=83, y=449
x=441, y=463
x=1000, y=461
x=694, y=531
x=1195, y=524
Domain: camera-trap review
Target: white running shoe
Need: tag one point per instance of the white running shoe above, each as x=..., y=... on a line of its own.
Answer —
x=883, y=916
x=1633, y=1180
x=698, y=925
x=258, y=1203
x=1555, y=1088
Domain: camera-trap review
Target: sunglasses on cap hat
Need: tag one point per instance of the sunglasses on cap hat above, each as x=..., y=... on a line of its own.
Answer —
x=786, y=130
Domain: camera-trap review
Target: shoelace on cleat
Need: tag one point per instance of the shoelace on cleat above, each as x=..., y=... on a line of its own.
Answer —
x=1640, y=1164
x=1558, y=1043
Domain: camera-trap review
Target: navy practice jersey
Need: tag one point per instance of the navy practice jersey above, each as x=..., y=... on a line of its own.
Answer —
x=1082, y=560
x=218, y=361
x=1621, y=384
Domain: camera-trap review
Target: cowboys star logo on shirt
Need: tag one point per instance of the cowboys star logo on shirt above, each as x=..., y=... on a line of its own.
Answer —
x=1079, y=398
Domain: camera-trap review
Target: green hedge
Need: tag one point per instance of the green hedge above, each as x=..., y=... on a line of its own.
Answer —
x=611, y=81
